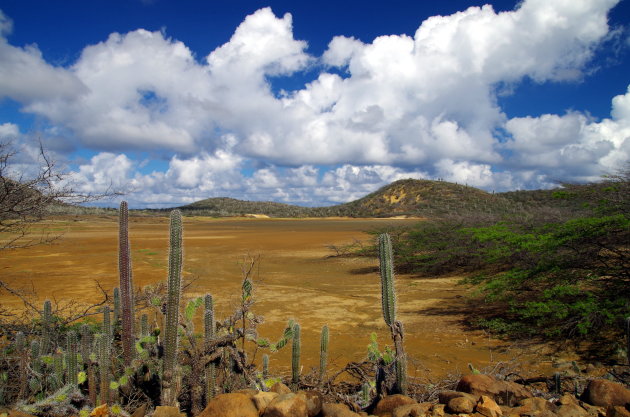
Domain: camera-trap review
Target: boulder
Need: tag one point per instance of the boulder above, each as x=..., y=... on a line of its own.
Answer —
x=535, y=406
x=387, y=405
x=262, y=399
x=487, y=407
x=445, y=396
x=140, y=411
x=617, y=411
x=604, y=393
x=502, y=392
x=460, y=405
x=230, y=405
x=412, y=410
x=313, y=402
x=437, y=411
x=287, y=405
x=280, y=388
x=167, y=411
x=337, y=410
x=13, y=413
x=569, y=406
x=100, y=411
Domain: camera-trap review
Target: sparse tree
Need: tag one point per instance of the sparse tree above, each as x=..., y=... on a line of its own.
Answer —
x=26, y=199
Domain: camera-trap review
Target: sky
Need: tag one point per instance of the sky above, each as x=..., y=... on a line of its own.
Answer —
x=314, y=103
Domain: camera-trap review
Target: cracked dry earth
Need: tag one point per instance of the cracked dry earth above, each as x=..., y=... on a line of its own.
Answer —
x=296, y=278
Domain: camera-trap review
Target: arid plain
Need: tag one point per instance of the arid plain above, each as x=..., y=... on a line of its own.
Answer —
x=296, y=278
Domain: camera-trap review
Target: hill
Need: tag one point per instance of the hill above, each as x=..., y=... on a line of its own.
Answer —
x=409, y=197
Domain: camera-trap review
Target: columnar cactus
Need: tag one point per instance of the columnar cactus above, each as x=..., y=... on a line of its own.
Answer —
x=126, y=284
x=57, y=377
x=208, y=318
x=386, y=263
x=46, y=345
x=265, y=364
x=108, y=332
x=20, y=350
x=116, y=307
x=211, y=381
x=71, y=360
x=175, y=256
x=295, y=355
x=388, y=301
x=144, y=325
x=628, y=339
x=103, y=349
x=86, y=343
x=323, y=352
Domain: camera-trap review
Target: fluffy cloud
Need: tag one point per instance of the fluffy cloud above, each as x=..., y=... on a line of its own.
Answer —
x=572, y=147
x=400, y=106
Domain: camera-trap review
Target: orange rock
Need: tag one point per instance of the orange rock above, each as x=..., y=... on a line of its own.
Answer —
x=604, y=393
x=460, y=405
x=487, y=407
x=230, y=405
x=337, y=410
x=287, y=405
x=280, y=388
x=387, y=405
x=100, y=411
x=502, y=392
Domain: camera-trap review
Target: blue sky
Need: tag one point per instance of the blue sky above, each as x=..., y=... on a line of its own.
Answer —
x=315, y=103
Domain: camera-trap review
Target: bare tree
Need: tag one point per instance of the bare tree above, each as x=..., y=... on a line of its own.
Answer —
x=25, y=199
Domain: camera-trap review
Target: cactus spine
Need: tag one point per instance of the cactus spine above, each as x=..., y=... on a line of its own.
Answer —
x=172, y=307
x=295, y=356
x=126, y=284
x=323, y=352
x=71, y=360
x=388, y=301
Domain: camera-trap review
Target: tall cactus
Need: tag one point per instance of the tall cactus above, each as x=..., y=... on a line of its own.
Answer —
x=71, y=360
x=265, y=365
x=116, y=321
x=628, y=338
x=388, y=301
x=46, y=344
x=103, y=349
x=126, y=284
x=295, y=356
x=108, y=331
x=175, y=255
x=386, y=263
x=323, y=352
x=208, y=319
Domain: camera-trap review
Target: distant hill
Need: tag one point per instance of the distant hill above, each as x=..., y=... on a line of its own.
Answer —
x=410, y=197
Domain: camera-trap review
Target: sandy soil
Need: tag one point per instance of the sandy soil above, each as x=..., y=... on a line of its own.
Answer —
x=297, y=279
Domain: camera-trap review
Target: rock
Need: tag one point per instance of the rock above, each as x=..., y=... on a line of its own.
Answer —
x=287, y=405
x=262, y=399
x=502, y=392
x=569, y=406
x=460, y=405
x=247, y=391
x=445, y=396
x=6, y=412
x=100, y=411
x=535, y=406
x=167, y=411
x=438, y=410
x=412, y=410
x=617, y=411
x=337, y=410
x=387, y=405
x=313, y=402
x=604, y=393
x=140, y=411
x=230, y=405
x=487, y=407
x=280, y=388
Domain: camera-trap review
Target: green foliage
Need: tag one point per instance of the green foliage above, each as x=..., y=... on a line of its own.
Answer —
x=560, y=269
x=375, y=355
